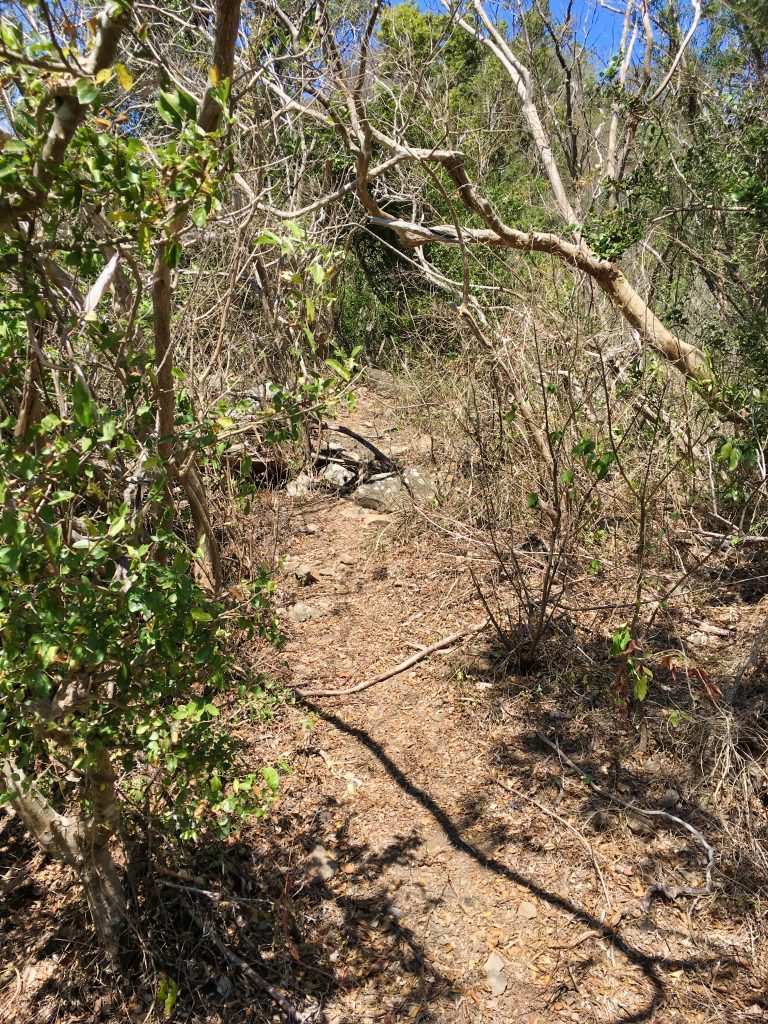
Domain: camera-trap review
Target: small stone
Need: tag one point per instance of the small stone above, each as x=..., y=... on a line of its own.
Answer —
x=322, y=865
x=311, y=528
x=336, y=476
x=304, y=575
x=494, y=967
x=602, y=820
x=299, y=487
x=527, y=911
x=301, y=612
x=347, y=560
x=699, y=639
x=639, y=824
x=670, y=799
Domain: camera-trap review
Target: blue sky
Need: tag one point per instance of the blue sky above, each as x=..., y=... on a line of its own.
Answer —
x=599, y=28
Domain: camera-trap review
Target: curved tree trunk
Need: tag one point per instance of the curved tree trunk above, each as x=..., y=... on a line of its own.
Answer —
x=82, y=843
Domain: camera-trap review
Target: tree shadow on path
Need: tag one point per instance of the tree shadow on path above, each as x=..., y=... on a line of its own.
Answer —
x=648, y=964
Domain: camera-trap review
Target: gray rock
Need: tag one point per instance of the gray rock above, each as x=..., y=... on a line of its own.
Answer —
x=349, y=450
x=380, y=381
x=301, y=612
x=670, y=799
x=699, y=639
x=387, y=493
x=321, y=864
x=422, y=484
x=336, y=476
x=304, y=575
x=299, y=487
x=494, y=967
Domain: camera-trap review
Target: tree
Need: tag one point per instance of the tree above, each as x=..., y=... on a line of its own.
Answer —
x=115, y=637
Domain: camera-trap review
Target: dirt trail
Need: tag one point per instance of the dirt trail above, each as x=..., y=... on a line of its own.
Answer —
x=447, y=898
x=396, y=881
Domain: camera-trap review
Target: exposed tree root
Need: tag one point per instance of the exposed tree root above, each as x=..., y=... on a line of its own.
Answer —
x=402, y=667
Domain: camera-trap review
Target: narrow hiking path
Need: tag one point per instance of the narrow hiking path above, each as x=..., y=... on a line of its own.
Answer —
x=442, y=896
x=396, y=880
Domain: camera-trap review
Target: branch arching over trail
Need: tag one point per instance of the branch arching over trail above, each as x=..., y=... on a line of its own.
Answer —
x=570, y=247
x=690, y=360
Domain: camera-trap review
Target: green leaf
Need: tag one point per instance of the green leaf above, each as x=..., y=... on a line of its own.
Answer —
x=108, y=430
x=87, y=91
x=176, y=107
x=317, y=273
x=49, y=422
x=58, y=496
x=85, y=414
x=199, y=217
x=271, y=778
x=620, y=640
x=117, y=526
x=267, y=237
x=338, y=367
x=533, y=500
x=172, y=254
x=641, y=685
x=10, y=33
x=9, y=558
x=200, y=615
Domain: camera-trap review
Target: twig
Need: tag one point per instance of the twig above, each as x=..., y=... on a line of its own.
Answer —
x=414, y=658
x=582, y=839
x=748, y=661
x=217, y=897
x=12, y=879
x=293, y=1016
x=385, y=459
x=671, y=892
